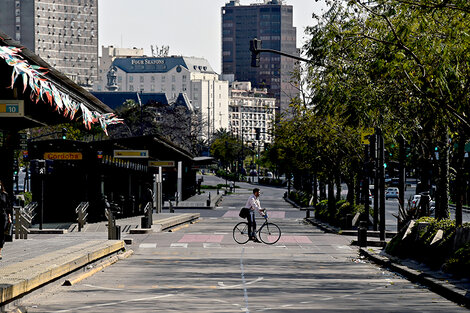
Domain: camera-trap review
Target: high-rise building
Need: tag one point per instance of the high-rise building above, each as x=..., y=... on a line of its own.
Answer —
x=251, y=114
x=62, y=32
x=172, y=75
x=272, y=23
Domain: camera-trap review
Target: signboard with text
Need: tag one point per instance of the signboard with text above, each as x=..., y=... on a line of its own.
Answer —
x=11, y=108
x=161, y=163
x=131, y=153
x=63, y=156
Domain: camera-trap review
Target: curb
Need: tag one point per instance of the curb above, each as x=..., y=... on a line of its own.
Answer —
x=442, y=288
x=78, y=278
x=21, y=278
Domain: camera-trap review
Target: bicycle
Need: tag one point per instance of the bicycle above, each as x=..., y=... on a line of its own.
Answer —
x=269, y=233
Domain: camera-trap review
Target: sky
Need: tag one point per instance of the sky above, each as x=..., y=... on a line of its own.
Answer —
x=189, y=27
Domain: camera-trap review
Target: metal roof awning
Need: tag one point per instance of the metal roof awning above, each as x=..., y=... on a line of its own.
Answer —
x=44, y=95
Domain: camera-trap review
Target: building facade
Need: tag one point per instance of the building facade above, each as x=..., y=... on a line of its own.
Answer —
x=252, y=114
x=272, y=23
x=62, y=32
x=173, y=75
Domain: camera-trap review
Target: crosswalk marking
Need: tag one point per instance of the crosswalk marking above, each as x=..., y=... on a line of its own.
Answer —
x=271, y=214
x=211, y=245
x=148, y=245
x=179, y=245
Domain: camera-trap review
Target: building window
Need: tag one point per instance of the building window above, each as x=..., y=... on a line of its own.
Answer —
x=141, y=79
x=173, y=78
x=131, y=79
x=119, y=79
x=152, y=79
x=152, y=87
x=131, y=87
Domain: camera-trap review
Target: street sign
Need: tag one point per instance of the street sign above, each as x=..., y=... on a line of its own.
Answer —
x=63, y=156
x=366, y=132
x=131, y=154
x=161, y=163
x=11, y=108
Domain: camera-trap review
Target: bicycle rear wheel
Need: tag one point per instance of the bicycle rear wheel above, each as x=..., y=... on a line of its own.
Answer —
x=240, y=233
x=269, y=233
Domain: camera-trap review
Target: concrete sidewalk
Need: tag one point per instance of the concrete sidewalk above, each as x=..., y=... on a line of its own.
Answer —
x=44, y=257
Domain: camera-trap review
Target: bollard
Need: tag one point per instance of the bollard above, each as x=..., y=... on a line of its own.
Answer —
x=362, y=234
x=114, y=231
x=209, y=200
x=349, y=219
x=172, y=210
x=307, y=213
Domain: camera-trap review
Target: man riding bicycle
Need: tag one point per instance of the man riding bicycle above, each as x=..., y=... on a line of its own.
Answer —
x=253, y=204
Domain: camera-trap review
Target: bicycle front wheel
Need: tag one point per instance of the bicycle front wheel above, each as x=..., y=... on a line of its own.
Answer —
x=269, y=233
x=240, y=233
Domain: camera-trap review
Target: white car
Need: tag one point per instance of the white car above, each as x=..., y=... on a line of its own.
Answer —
x=415, y=201
x=392, y=192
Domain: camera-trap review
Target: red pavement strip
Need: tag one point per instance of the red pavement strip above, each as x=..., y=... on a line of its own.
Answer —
x=201, y=238
x=275, y=214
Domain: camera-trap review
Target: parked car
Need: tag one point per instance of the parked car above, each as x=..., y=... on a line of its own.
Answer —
x=391, y=192
x=415, y=201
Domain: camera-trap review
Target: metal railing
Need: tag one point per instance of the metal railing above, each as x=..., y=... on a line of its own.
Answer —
x=23, y=219
x=82, y=213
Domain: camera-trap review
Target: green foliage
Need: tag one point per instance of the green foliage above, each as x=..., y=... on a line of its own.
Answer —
x=270, y=181
x=418, y=245
x=459, y=262
x=301, y=198
x=225, y=147
x=229, y=176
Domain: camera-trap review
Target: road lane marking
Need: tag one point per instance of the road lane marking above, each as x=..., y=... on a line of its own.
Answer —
x=245, y=291
x=223, y=286
x=115, y=303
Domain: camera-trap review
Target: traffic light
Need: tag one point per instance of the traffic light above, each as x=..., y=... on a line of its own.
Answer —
x=15, y=167
x=64, y=133
x=49, y=166
x=255, y=46
x=258, y=132
x=38, y=167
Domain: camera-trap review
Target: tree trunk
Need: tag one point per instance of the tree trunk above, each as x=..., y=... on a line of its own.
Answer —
x=338, y=187
x=442, y=188
x=331, y=199
x=460, y=180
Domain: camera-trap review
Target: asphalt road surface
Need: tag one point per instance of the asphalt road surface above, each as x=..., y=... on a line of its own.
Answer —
x=199, y=268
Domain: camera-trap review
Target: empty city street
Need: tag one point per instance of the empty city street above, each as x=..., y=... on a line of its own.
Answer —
x=200, y=268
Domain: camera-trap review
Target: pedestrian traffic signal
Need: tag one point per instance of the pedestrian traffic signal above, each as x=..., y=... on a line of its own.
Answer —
x=64, y=133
